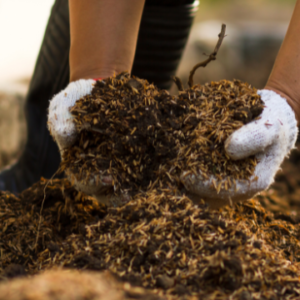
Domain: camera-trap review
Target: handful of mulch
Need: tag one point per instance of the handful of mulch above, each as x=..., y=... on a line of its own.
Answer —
x=146, y=138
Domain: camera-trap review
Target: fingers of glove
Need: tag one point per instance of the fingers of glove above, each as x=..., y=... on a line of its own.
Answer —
x=214, y=193
x=60, y=120
x=90, y=185
x=277, y=124
x=206, y=189
x=112, y=200
x=97, y=187
x=200, y=187
x=285, y=115
x=252, y=138
x=268, y=164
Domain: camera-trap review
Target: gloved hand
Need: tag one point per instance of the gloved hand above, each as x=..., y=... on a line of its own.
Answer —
x=63, y=130
x=270, y=139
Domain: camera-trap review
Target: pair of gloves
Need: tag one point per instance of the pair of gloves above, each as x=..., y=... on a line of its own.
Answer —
x=270, y=139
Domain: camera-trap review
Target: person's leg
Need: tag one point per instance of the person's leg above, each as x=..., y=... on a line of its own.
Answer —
x=164, y=31
x=51, y=74
x=163, y=34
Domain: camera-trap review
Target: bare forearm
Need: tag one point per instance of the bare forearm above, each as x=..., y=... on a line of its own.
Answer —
x=285, y=76
x=103, y=36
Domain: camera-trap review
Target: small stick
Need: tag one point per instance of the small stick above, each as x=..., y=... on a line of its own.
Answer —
x=210, y=58
x=42, y=207
x=178, y=83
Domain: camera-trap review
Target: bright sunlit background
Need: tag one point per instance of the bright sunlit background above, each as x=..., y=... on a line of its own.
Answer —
x=22, y=25
x=255, y=29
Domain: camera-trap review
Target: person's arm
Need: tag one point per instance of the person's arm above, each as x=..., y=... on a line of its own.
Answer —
x=285, y=76
x=103, y=42
x=103, y=36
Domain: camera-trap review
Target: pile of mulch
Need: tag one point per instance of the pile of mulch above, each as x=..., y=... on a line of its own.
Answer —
x=162, y=243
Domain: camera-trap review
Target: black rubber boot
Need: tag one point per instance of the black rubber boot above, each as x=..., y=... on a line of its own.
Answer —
x=163, y=34
x=41, y=156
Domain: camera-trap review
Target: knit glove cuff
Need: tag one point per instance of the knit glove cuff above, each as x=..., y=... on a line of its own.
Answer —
x=60, y=120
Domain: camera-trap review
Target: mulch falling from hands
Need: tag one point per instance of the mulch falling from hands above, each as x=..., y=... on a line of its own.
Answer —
x=161, y=242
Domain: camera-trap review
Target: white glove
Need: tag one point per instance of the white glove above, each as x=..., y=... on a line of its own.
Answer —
x=60, y=120
x=270, y=139
x=63, y=130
